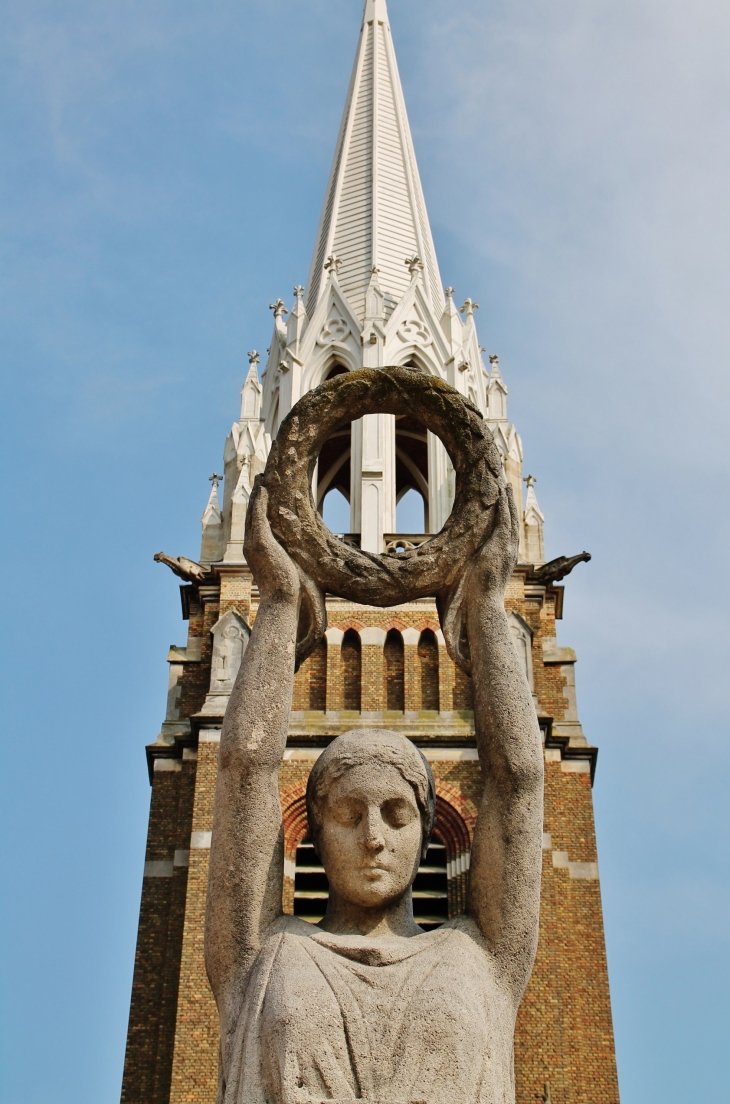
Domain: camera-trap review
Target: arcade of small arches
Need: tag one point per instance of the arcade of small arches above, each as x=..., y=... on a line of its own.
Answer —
x=356, y=669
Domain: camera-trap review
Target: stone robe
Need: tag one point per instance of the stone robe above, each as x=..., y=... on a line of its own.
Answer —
x=392, y=1021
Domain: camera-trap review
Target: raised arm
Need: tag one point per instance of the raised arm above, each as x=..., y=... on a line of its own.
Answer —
x=247, y=854
x=507, y=852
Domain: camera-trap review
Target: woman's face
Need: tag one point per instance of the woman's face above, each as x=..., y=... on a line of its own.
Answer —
x=370, y=837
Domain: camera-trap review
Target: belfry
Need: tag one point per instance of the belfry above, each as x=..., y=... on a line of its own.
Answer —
x=373, y=298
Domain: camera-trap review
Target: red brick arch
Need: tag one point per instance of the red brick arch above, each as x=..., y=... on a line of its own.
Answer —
x=294, y=816
x=348, y=623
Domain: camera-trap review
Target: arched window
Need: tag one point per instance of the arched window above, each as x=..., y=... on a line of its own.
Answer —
x=334, y=472
x=463, y=696
x=351, y=671
x=317, y=677
x=411, y=475
x=428, y=656
x=336, y=511
x=394, y=671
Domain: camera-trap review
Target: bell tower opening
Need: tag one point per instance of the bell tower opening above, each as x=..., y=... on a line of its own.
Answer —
x=333, y=474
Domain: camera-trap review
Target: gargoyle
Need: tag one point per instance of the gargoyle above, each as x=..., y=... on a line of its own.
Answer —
x=186, y=569
x=555, y=570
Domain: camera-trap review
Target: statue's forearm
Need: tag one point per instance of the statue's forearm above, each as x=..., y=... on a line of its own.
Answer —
x=246, y=860
x=507, y=846
x=506, y=725
x=257, y=718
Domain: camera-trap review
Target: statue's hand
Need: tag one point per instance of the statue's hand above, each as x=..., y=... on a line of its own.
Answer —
x=485, y=577
x=275, y=572
x=278, y=577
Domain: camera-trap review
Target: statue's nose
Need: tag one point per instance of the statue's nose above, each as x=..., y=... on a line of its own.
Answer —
x=373, y=832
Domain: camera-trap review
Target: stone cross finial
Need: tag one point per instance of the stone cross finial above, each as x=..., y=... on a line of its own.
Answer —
x=414, y=264
x=215, y=480
x=450, y=292
x=529, y=480
x=469, y=307
x=332, y=264
x=494, y=360
x=374, y=270
x=298, y=291
x=253, y=357
x=278, y=308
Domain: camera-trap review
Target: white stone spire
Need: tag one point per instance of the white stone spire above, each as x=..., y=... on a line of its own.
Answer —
x=374, y=214
x=211, y=545
x=534, y=522
x=373, y=298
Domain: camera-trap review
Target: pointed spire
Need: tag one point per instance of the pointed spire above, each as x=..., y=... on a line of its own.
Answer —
x=251, y=390
x=375, y=9
x=374, y=212
x=496, y=392
x=297, y=321
x=451, y=323
x=534, y=523
x=211, y=545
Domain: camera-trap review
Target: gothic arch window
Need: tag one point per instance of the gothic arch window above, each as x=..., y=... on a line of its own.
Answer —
x=428, y=657
x=411, y=466
x=394, y=671
x=522, y=640
x=311, y=887
x=351, y=652
x=333, y=465
x=453, y=832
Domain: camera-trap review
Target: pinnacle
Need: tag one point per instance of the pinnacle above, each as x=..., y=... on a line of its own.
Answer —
x=374, y=213
x=375, y=9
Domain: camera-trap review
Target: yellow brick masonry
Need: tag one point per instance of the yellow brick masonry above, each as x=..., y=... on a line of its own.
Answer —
x=195, y=1061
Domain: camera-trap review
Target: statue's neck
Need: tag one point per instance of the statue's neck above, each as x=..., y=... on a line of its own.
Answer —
x=395, y=919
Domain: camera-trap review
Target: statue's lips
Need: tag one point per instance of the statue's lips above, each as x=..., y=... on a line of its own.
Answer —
x=373, y=869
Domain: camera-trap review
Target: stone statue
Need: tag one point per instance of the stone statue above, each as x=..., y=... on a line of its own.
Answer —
x=365, y=1005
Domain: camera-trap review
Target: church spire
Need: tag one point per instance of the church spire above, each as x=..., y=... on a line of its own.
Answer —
x=374, y=213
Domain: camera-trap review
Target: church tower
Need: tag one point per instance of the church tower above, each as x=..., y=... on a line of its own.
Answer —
x=373, y=297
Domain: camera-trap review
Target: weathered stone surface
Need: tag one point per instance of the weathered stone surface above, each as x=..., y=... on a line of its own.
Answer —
x=392, y=578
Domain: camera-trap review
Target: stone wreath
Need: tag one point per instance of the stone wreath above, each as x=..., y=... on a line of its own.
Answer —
x=393, y=577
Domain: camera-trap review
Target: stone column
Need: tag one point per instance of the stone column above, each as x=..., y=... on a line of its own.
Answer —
x=377, y=510
x=372, y=639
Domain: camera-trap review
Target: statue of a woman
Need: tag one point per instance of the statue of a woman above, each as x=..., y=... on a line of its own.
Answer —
x=365, y=1005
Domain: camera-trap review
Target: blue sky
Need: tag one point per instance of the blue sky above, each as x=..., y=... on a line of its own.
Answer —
x=163, y=166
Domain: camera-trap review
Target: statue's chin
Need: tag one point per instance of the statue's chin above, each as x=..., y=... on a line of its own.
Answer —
x=373, y=893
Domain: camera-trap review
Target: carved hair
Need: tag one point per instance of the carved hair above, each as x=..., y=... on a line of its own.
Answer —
x=368, y=745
